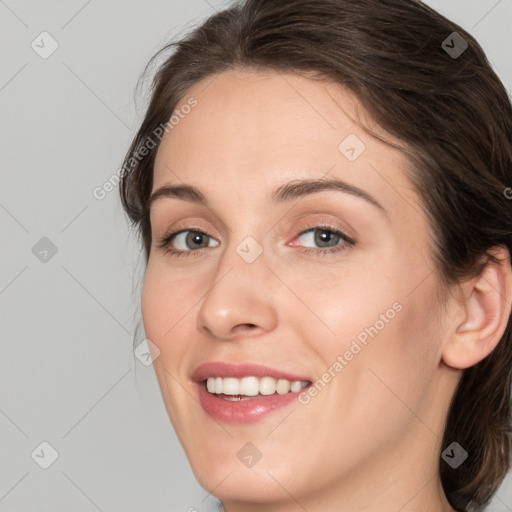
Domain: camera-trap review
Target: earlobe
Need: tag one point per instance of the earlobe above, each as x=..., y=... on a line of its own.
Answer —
x=484, y=313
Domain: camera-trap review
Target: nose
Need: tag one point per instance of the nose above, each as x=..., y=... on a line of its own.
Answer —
x=239, y=300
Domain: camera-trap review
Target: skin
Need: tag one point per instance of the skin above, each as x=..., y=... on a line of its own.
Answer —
x=371, y=438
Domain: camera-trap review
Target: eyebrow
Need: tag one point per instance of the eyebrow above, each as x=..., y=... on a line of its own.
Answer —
x=284, y=193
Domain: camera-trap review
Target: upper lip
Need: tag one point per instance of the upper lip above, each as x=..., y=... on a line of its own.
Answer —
x=239, y=370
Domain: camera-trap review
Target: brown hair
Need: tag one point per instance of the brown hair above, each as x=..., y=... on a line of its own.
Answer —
x=455, y=119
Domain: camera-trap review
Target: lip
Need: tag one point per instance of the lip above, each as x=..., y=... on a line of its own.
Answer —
x=243, y=411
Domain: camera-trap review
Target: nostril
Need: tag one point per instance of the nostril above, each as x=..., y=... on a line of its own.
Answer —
x=245, y=327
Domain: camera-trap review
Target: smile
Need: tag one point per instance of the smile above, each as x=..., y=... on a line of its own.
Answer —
x=244, y=393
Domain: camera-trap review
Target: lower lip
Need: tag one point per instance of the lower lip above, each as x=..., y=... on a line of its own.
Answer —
x=242, y=411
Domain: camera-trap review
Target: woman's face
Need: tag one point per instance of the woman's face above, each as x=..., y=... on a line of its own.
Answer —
x=303, y=255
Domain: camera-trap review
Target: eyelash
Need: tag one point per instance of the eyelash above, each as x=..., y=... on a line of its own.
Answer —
x=164, y=243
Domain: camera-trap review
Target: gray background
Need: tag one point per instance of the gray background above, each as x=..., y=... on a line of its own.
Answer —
x=68, y=373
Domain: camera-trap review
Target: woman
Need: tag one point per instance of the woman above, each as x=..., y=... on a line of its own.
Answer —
x=320, y=190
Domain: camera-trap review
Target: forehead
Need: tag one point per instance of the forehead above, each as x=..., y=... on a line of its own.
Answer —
x=257, y=130
x=258, y=116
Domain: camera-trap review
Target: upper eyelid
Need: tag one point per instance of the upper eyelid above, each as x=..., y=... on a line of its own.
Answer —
x=318, y=226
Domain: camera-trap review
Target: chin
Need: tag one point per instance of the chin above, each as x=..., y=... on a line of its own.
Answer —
x=253, y=485
x=220, y=472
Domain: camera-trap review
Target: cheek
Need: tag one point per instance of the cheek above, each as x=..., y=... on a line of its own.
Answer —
x=379, y=323
x=152, y=305
x=400, y=350
x=167, y=309
x=345, y=305
x=166, y=304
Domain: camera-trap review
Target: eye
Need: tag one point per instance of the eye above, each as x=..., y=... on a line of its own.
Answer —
x=324, y=239
x=182, y=243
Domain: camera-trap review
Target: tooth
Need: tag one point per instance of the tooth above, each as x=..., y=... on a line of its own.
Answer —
x=267, y=385
x=210, y=384
x=231, y=386
x=252, y=386
x=295, y=386
x=249, y=386
x=283, y=386
x=219, y=385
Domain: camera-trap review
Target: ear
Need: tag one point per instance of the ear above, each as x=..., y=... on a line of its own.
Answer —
x=482, y=314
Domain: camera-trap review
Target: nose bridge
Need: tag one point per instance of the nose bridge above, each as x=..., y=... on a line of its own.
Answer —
x=238, y=297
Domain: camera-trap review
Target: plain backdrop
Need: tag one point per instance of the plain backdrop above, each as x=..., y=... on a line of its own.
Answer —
x=68, y=377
